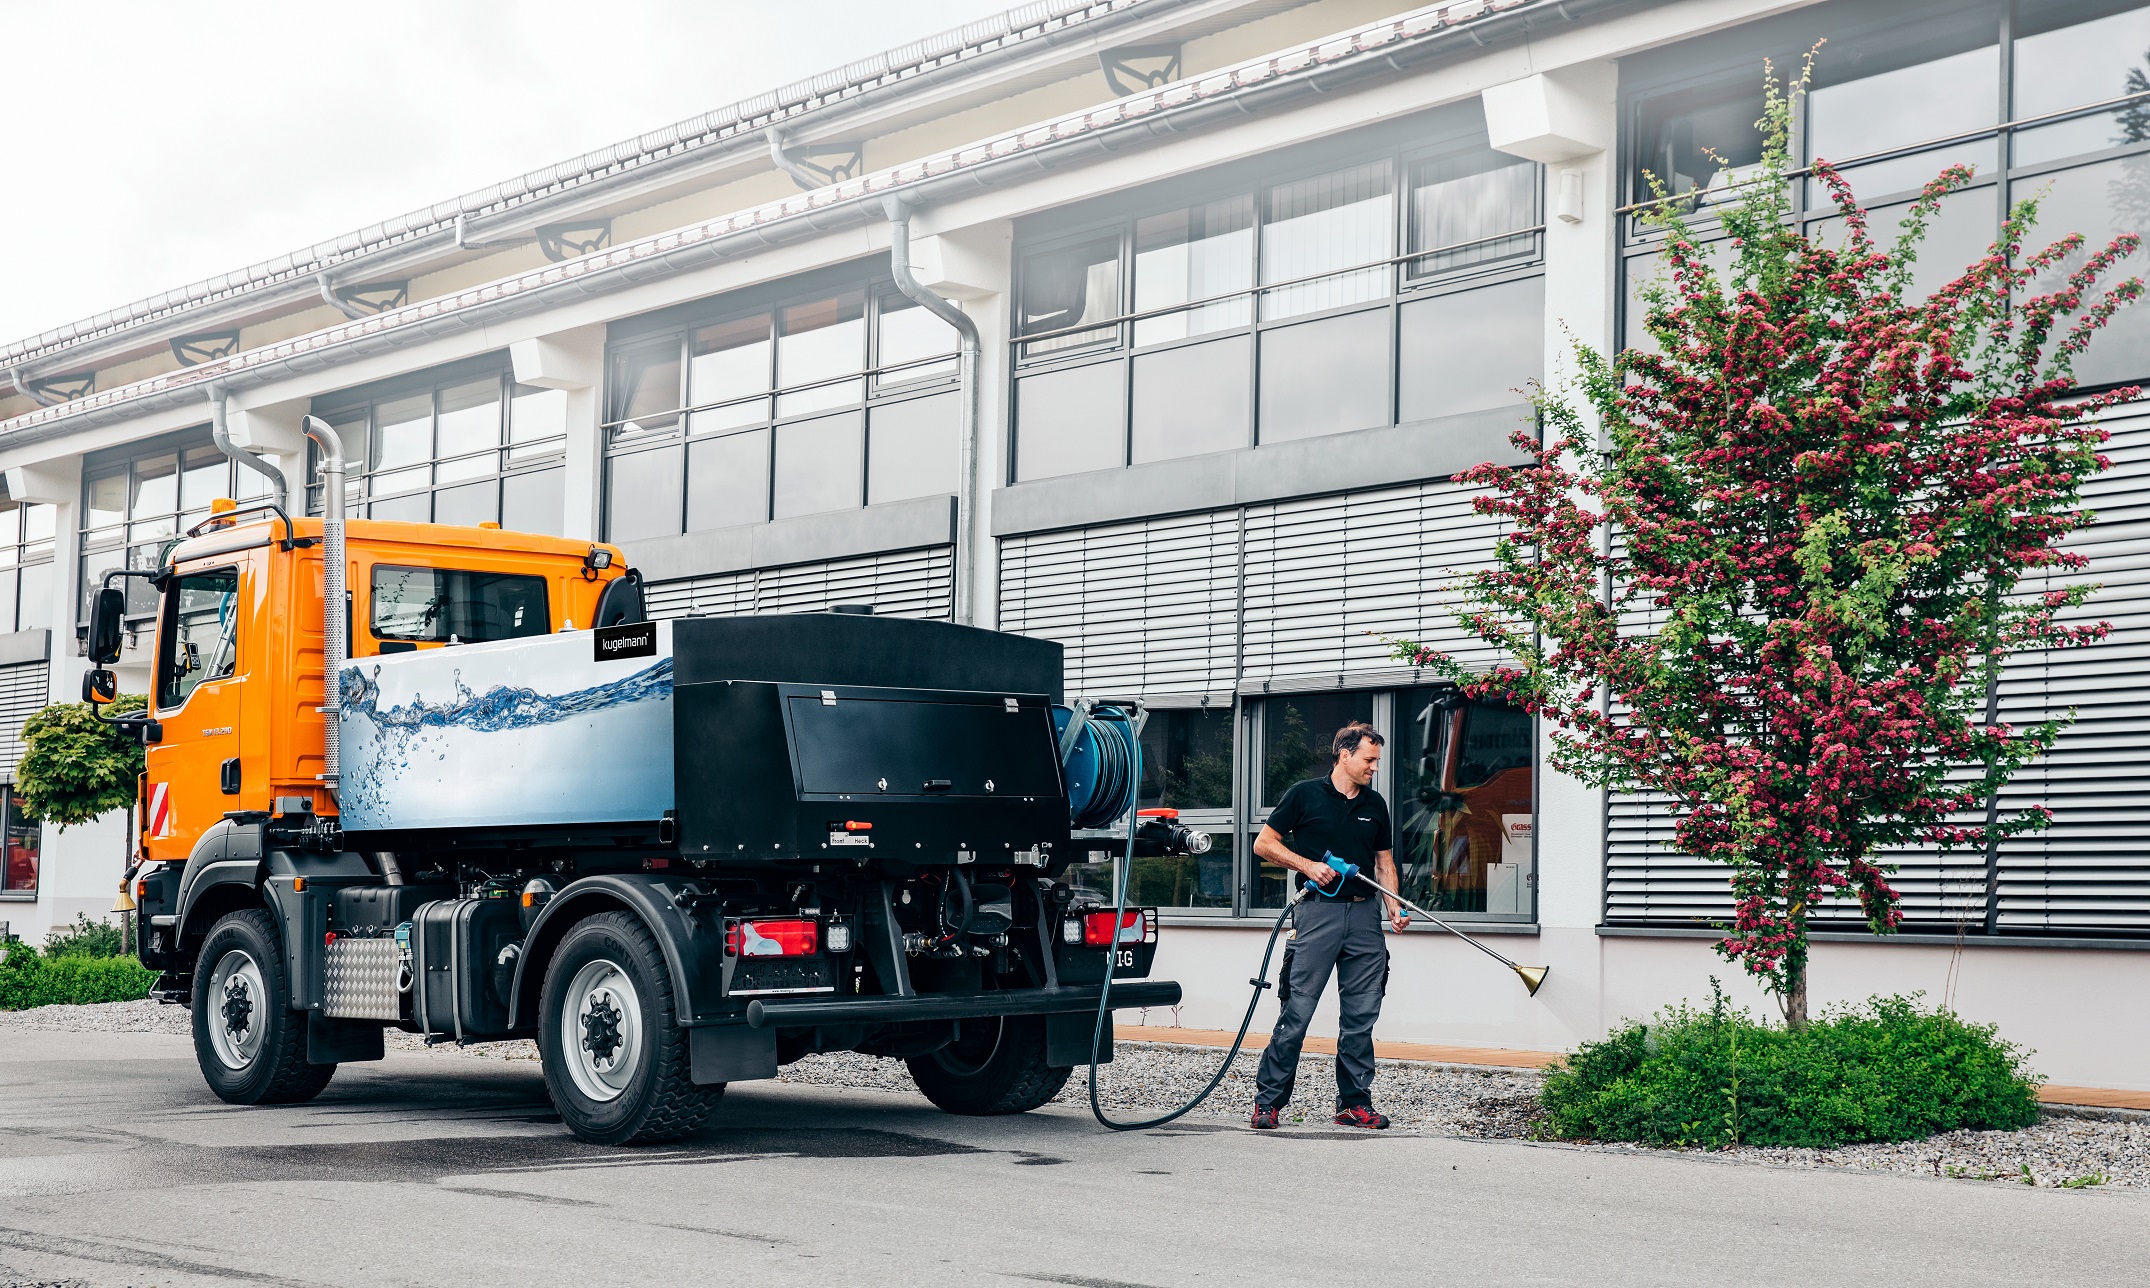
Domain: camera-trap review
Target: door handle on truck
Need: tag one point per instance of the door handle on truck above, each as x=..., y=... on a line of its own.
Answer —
x=938, y=784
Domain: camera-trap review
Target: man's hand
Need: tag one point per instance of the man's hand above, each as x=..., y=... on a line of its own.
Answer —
x=1399, y=919
x=1321, y=874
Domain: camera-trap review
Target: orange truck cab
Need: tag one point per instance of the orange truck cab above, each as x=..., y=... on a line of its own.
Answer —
x=458, y=782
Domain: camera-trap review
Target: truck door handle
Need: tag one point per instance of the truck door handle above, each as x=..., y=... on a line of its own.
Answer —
x=938, y=784
x=228, y=776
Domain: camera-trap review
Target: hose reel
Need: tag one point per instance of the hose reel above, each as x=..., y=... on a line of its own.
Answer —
x=1097, y=750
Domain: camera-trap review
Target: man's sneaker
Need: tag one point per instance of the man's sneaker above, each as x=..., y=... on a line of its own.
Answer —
x=1361, y=1116
x=1264, y=1119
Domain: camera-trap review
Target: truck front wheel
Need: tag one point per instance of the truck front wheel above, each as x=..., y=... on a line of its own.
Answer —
x=615, y=1057
x=995, y=1066
x=249, y=1042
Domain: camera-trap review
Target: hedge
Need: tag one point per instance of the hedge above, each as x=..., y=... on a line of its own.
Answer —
x=28, y=979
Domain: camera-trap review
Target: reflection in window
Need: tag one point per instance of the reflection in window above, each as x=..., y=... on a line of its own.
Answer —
x=644, y=387
x=727, y=368
x=727, y=481
x=1321, y=225
x=1187, y=759
x=1194, y=254
x=200, y=639
x=443, y=604
x=2076, y=65
x=910, y=336
x=643, y=491
x=1464, y=804
x=1296, y=733
x=1067, y=288
x=1471, y=350
x=464, y=452
x=2101, y=201
x=1470, y=197
x=1699, y=141
x=1906, y=106
x=22, y=838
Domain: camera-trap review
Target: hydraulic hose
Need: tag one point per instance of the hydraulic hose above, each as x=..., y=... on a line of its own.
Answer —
x=1104, y=996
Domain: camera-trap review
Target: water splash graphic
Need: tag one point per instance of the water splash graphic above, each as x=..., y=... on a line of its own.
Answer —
x=400, y=733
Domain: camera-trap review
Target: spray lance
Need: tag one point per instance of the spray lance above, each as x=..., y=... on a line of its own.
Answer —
x=1532, y=976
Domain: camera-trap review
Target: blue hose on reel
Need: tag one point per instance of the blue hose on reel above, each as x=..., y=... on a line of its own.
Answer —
x=1103, y=774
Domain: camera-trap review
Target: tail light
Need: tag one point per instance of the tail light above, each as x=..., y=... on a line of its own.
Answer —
x=1137, y=926
x=791, y=938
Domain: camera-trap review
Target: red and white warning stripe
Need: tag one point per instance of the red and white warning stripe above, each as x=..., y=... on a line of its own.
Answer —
x=160, y=809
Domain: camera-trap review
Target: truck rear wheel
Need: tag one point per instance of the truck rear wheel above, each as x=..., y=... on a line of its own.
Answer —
x=995, y=1066
x=249, y=1042
x=615, y=1057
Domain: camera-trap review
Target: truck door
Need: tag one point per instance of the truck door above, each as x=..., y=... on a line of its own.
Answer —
x=194, y=770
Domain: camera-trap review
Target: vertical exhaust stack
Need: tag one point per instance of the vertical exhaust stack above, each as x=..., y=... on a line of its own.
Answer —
x=335, y=631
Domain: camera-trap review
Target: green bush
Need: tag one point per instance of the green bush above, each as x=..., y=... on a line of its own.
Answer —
x=1886, y=1070
x=85, y=938
x=28, y=979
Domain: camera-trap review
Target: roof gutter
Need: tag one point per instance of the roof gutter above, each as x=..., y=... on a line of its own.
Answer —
x=1383, y=48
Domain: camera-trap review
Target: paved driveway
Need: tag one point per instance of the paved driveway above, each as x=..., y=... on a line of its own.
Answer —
x=118, y=1167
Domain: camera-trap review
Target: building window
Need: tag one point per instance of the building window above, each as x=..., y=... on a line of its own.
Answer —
x=1465, y=804
x=23, y=839
x=815, y=404
x=466, y=449
x=1317, y=305
x=1892, y=104
x=26, y=566
x=137, y=505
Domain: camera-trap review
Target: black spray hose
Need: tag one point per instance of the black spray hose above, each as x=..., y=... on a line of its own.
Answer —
x=1104, y=996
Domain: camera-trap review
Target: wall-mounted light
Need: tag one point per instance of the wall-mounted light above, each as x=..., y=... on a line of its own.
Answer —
x=1568, y=208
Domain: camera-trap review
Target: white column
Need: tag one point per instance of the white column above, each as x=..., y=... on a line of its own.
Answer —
x=573, y=360
x=1566, y=119
x=58, y=483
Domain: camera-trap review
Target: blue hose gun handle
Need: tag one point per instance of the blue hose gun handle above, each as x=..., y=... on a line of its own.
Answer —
x=1344, y=873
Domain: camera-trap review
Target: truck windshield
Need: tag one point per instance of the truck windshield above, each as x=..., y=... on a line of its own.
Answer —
x=440, y=604
x=201, y=634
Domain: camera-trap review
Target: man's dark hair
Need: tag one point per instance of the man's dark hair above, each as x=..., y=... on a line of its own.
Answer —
x=1349, y=737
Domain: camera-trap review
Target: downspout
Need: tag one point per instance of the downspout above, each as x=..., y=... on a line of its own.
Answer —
x=30, y=391
x=222, y=434
x=337, y=302
x=899, y=262
x=334, y=611
x=807, y=180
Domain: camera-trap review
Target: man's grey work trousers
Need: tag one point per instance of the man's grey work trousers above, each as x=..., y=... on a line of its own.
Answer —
x=1346, y=936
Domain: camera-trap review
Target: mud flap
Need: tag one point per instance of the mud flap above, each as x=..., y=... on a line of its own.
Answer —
x=731, y=1053
x=1067, y=1039
x=342, y=1041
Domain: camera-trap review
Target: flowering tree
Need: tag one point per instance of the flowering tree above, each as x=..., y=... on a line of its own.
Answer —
x=1792, y=557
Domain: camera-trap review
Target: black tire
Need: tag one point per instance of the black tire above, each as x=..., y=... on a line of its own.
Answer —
x=996, y=1066
x=249, y=1042
x=607, y=959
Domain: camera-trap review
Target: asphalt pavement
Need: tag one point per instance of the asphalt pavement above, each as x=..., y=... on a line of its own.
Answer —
x=118, y=1167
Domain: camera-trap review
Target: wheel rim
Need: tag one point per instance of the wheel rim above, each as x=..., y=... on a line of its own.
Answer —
x=601, y=1030
x=974, y=1049
x=238, y=1009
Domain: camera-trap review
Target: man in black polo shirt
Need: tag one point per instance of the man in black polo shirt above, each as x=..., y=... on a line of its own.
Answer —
x=1341, y=815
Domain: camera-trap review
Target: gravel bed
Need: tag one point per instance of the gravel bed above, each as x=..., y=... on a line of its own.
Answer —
x=2064, y=1149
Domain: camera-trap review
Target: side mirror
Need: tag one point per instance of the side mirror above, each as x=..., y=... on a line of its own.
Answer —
x=106, y=612
x=99, y=687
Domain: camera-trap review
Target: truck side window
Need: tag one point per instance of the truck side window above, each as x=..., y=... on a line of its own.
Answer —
x=200, y=635
x=435, y=604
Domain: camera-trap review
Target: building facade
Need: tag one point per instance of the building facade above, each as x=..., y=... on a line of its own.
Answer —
x=1252, y=281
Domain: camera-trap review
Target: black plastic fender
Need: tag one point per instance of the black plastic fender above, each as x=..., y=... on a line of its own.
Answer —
x=227, y=855
x=693, y=947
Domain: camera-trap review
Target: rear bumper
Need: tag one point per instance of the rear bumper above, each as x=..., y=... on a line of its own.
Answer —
x=1022, y=1001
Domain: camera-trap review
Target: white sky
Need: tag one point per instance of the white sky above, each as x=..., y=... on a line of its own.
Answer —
x=155, y=144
